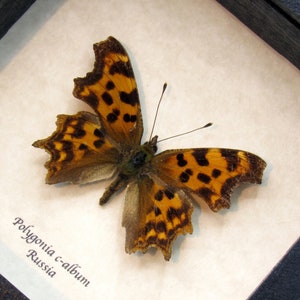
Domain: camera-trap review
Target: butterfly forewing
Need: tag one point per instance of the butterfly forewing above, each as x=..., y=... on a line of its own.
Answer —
x=210, y=173
x=110, y=89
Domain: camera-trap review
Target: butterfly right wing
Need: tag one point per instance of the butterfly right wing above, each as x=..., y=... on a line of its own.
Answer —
x=210, y=173
x=80, y=151
x=158, y=207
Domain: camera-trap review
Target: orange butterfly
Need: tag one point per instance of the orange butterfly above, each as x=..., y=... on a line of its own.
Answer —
x=88, y=147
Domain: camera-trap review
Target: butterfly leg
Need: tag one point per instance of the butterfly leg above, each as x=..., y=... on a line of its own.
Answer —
x=118, y=184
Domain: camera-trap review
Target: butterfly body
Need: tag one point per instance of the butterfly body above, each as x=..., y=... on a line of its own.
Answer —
x=131, y=167
x=139, y=158
x=160, y=188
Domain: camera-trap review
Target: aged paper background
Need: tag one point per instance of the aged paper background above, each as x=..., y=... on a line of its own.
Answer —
x=218, y=71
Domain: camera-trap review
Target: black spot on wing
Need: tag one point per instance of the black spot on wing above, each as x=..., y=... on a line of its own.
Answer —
x=157, y=211
x=113, y=116
x=169, y=194
x=83, y=147
x=129, y=118
x=200, y=157
x=130, y=98
x=121, y=67
x=98, y=143
x=181, y=162
x=110, y=85
x=159, y=195
x=79, y=133
x=107, y=98
x=98, y=133
x=203, y=178
x=215, y=173
x=185, y=175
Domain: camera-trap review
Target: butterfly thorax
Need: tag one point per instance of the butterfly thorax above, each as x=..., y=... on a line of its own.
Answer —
x=130, y=167
x=137, y=158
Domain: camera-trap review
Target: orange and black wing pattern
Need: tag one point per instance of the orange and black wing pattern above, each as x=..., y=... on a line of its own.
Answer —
x=154, y=215
x=111, y=90
x=210, y=173
x=80, y=151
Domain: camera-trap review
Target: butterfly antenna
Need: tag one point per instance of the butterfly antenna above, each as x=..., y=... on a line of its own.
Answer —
x=184, y=133
x=156, y=113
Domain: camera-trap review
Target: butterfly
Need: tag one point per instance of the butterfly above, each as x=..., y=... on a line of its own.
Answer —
x=161, y=188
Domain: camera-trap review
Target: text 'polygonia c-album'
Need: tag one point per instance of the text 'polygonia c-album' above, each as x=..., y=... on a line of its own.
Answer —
x=88, y=147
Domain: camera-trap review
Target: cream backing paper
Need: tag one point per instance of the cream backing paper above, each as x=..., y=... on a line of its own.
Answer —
x=218, y=71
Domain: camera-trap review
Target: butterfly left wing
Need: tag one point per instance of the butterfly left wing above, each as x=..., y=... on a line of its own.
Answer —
x=111, y=90
x=87, y=147
x=80, y=151
x=210, y=173
x=154, y=214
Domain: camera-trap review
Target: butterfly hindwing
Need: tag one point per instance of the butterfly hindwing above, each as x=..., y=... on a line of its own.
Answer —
x=111, y=90
x=80, y=151
x=154, y=215
x=210, y=173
